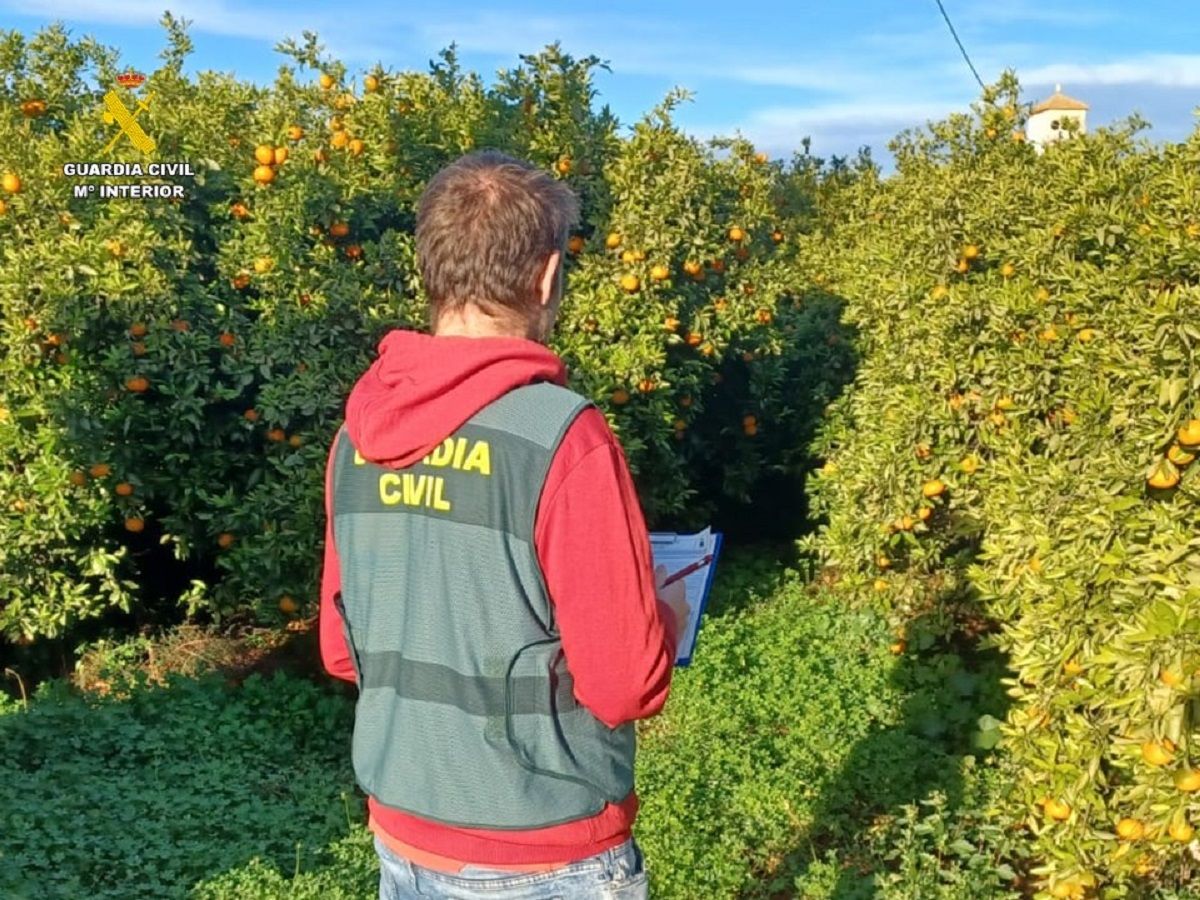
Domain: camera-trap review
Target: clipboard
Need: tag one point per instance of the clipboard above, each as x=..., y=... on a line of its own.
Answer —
x=674, y=551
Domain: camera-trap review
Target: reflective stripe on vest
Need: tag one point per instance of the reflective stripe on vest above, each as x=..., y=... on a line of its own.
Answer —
x=466, y=712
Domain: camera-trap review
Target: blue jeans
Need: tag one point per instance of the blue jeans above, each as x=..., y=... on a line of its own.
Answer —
x=618, y=873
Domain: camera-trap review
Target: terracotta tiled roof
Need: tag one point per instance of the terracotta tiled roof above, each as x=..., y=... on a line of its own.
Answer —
x=1059, y=100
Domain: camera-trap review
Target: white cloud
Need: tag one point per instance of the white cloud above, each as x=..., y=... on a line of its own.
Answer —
x=1164, y=70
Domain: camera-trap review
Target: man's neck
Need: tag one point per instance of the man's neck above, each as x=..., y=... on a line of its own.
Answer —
x=474, y=324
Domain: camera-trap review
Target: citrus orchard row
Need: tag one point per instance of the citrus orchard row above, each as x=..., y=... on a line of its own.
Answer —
x=1028, y=337
x=199, y=351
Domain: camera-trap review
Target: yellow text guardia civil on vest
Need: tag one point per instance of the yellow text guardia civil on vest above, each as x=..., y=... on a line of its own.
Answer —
x=411, y=489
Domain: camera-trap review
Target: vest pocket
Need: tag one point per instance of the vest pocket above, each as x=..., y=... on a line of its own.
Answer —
x=552, y=734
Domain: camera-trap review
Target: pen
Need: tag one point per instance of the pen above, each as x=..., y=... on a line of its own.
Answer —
x=687, y=570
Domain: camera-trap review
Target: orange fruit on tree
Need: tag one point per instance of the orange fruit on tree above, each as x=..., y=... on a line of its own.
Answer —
x=263, y=264
x=717, y=265
x=265, y=154
x=970, y=251
x=354, y=251
x=1156, y=754
x=692, y=267
x=646, y=385
x=137, y=384
x=225, y=540
x=923, y=450
x=1179, y=456
x=99, y=470
x=630, y=282
x=880, y=584
x=1059, y=810
x=339, y=229
x=134, y=524
x=227, y=339
x=1189, y=434
x=180, y=325
x=575, y=244
x=326, y=81
x=1131, y=829
x=907, y=523
x=962, y=267
x=760, y=158
x=707, y=348
x=883, y=562
x=898, y=647
x=250, y=415
x=1163, y=476
x=279, y=157
x=924, y=513
x=563, y=166
x=1008, y=270
x=77, y=478
x=670, y=323
x=370, y=84
x=288, y=606
x=264, y=174
x=613, y=240
x=749, y=421
x=627, y=256
x=340, y=139
x=659, y=273
x=31, y=109
x=939, y=291
x=620, y=397
x=969, y=465
x=356, y=147
x=693, y=338
x=241, y=281
x=736, y=234
x=138, y=329
x=239, y=211
x=933, y=488
x=1187, y=780
x=124, y=489
x=1181, y=830
x=295, y=132
x=763, y=316
x=777, y=236
x=276, y=435
x=296, y=441
x=1072, y=666
x=11, y=182
x=1169, y=678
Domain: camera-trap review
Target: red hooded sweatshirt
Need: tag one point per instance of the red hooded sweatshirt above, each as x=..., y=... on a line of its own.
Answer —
x=591, y=542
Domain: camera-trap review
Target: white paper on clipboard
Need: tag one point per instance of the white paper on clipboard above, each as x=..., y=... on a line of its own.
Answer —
x=676, y=551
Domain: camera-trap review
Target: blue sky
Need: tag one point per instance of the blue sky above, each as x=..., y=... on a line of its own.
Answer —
x=844, y=73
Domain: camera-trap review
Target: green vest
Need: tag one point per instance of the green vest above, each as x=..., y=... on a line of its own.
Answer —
x=466, y=713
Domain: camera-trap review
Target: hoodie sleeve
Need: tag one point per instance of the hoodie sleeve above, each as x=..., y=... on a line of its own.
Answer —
x=335, y=655
x=594, y=551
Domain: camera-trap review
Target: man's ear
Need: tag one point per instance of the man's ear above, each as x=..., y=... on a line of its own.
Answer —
x=549, y=277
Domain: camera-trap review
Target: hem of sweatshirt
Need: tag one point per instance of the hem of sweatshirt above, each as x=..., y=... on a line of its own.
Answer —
x=564, y=844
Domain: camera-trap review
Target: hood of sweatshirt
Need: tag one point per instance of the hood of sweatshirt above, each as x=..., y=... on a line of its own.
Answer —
x=422, y=387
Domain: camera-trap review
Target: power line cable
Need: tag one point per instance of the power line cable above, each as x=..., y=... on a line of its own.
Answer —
x=961, y=48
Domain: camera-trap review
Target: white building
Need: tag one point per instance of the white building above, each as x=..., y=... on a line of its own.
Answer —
x=1055, y=118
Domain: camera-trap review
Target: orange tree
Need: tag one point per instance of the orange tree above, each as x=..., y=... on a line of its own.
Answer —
x=1018, y=445
x=173, y=371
